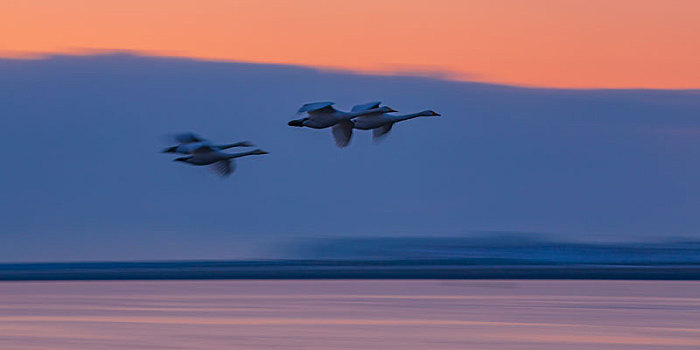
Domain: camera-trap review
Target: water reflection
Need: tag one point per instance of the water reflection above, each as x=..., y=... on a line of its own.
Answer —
x=350, y=314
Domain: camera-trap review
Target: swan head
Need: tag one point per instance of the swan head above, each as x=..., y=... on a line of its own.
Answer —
x=259, y=151
x=170, y=150
x=297, y=122
x=386, y=109
x=430, y=113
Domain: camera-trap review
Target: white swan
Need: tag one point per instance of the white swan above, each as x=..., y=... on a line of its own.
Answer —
x=189, y=148
x=322, y=115
x=190, y=142
x=223, y=163
x=381, y=123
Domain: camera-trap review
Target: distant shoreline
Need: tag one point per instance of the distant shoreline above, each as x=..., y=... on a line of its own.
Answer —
x=339, y=269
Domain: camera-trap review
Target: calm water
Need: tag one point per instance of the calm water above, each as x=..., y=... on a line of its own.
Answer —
x=359, y=314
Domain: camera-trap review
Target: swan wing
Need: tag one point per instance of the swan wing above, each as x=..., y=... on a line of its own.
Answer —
x=223, y=167
x=366, y=106
x=342, y=133
x=187, y=137
x=380, y=132
x=317, y=107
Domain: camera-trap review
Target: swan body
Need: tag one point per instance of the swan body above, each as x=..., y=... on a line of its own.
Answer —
x=381, y=124
x=189, y=148
x=378, y=120
x=189, y=142
x=321, y=115
x=222, y=162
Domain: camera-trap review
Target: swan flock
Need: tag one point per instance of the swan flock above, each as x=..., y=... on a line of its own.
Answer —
x=367, y=116
x=317, y=115
x=202, y=152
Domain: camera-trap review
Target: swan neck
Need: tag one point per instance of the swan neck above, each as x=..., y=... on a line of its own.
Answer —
x=409, y=116
x=242, y=154
x=230, y=145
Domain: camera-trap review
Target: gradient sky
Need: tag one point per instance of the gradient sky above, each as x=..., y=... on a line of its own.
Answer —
x=566, y=43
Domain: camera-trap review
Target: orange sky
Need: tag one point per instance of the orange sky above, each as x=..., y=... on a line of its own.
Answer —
x=557, y=43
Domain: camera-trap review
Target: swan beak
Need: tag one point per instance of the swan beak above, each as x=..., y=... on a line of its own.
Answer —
x=181, y=159
x=391, y=110
x=296, y=122
x=169, y=150
x=436, y=114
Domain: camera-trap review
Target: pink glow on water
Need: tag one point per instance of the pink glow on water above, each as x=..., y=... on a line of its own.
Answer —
x=350, y=315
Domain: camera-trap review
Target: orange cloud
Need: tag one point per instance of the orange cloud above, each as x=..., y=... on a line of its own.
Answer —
x=565, y=43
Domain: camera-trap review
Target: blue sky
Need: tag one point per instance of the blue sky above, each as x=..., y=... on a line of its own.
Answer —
x=83, y=178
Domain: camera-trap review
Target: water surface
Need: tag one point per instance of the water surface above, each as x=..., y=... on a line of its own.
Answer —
x=350, y=314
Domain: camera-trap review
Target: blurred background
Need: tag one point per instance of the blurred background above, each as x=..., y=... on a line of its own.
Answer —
x=83, y=179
